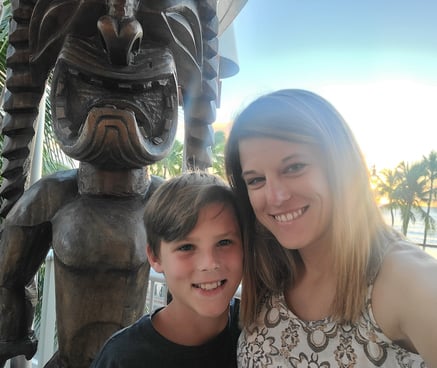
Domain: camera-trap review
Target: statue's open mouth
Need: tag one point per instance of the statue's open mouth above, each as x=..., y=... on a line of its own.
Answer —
x=115, y=116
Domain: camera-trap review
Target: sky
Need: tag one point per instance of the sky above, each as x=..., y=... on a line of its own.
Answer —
x=374, y=60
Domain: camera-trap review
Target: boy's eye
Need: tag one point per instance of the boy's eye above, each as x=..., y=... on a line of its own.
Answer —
x=185, y=247
x=224, y=242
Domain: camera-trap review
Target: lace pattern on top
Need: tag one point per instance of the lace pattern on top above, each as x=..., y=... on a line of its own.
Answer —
x=280, y=339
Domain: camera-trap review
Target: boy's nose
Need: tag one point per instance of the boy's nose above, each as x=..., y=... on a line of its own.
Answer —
x=209, y=261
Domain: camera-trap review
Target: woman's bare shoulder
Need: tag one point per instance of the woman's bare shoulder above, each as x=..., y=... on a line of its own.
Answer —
x=407, y=262
x=406, y=268
x=404, y=298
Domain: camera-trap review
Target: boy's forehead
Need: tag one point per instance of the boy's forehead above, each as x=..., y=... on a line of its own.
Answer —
x=213, y=212
x=215, y=209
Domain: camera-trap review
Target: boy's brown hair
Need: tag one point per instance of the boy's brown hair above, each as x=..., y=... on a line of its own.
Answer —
x=173, y=210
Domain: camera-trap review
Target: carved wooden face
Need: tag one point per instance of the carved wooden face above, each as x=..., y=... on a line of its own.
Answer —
x=115, y=84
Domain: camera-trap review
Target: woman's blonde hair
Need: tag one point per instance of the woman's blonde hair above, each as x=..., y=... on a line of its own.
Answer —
x=358, y=235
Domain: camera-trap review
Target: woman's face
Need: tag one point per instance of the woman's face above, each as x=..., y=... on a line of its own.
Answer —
x=288, y=190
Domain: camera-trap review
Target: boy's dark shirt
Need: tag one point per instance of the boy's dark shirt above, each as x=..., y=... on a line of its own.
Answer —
x=140, y=345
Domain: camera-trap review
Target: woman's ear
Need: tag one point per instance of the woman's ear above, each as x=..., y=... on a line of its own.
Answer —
x=153, y=260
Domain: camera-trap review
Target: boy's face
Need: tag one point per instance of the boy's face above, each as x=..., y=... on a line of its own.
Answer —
x=203, y=270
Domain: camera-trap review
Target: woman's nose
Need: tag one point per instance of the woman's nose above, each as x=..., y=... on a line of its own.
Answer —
x=276, y=192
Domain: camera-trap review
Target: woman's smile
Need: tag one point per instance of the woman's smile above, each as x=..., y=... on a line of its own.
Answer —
x=290, y=216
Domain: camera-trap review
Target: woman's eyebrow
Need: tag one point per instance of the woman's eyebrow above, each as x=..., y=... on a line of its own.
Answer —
x=284, y=160
x=247, y=172
x=293, y=156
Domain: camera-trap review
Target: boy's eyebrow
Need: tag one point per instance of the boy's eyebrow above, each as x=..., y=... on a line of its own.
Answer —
x=235, y=232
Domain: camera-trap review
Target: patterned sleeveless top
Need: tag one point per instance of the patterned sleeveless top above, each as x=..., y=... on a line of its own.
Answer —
x=280, y=339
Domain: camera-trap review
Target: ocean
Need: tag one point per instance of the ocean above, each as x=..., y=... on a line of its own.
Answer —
x=416, y=230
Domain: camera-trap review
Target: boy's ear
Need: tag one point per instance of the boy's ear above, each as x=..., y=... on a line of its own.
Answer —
x=153, y=260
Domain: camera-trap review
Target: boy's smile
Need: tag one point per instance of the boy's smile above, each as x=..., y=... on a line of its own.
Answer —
x=210, y=285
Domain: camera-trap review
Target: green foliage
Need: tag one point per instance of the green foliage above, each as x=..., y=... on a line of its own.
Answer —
x=40, y=287
x=218, y=154
x=4, y=29
x=171, y=165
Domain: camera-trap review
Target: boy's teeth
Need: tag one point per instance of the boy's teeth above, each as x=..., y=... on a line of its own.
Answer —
x=210, y=285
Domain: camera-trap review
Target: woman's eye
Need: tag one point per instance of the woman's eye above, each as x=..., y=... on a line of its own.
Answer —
x=254, y=181
x=185, y=247
x=224, y=242
x=294, y=168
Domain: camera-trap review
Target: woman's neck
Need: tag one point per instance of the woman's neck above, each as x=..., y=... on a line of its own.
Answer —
x=311, y=295
x=316, y=260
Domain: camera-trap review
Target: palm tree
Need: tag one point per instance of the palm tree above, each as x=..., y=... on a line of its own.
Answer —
x=410, y=192
x=430, y=165
x=386, y=185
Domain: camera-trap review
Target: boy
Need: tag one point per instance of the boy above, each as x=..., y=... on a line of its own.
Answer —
x=194, y=239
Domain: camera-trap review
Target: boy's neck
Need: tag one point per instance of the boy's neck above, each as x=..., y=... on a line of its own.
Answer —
x=187, y=330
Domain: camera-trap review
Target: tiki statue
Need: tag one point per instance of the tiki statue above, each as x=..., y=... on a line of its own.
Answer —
x=118, y=70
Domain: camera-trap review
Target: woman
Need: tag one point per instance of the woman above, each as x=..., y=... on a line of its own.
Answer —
x=326, y=283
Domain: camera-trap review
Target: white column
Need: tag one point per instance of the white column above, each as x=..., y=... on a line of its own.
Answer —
x=48, y=315
x=38, y=144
